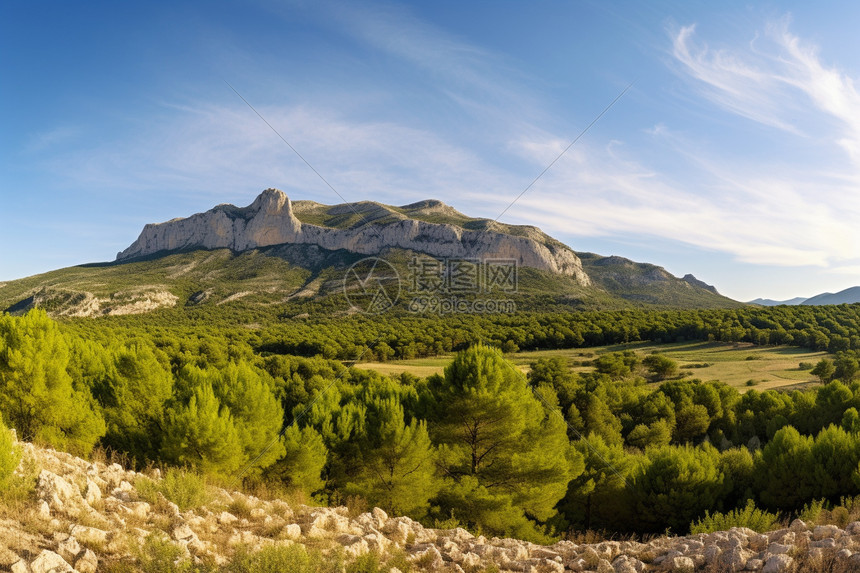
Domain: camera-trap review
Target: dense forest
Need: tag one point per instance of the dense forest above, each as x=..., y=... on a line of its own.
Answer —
x=624, y=447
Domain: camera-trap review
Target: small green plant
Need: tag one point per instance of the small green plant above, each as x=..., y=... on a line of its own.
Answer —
x=752, y=382
x=240, y=508
x=450, y=523
x=278, y=558
x=812, y=510
x=750, y=516
x=805, y=366
x=186, y=489
x=753, y=357
x=366, y=563
x=10, y=456
x=399, y=559
x=158, y=554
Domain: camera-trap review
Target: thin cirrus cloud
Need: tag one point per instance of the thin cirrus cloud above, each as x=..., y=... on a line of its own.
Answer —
x=771, y=212
x=602, y=193
x=762, y=209
x=219, y=151
x=775, y=80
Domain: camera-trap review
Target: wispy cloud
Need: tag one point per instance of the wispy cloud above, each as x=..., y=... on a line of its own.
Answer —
x=221, y=151
x=778, y=80
x=762, y=210
x=772, y=215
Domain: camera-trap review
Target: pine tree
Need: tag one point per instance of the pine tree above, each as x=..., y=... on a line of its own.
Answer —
x=676, y=485
x=786, y=459
x=396, y=468
x=134, y=397
x=303, y=460
x=504, y=456
x=37, y=394
x=202, y=435
x=256, y=414
x=600, y=496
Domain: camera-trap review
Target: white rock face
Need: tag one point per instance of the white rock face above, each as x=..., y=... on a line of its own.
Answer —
x=269, y=220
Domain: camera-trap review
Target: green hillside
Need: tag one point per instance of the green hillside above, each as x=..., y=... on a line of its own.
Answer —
x=298, y=274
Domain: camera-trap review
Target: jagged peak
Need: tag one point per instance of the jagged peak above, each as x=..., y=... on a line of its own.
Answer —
x=430, y=227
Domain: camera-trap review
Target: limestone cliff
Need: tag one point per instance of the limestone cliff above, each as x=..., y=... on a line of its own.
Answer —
x=270, y=220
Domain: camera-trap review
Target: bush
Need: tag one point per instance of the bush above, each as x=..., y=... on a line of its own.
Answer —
x=366, y=563
x=10, y=455
x=750, y=516
x=160, y=555
x=186, y=489
x=278, y=558
x=812, y=510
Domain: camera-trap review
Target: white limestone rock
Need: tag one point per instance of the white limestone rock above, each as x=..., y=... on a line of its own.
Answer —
x=270, y=220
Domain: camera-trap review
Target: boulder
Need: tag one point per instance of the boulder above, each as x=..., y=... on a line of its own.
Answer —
x=92, y=493
x=50, y=562
x=87, y=562
x=58, y=493
x=89, y=534
x=777, y=564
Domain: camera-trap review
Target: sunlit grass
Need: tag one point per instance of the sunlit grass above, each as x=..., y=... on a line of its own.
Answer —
x=734, y=364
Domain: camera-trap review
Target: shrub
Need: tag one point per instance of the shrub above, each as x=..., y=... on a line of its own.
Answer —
x=160, y=555
x=276, y=559
x=750, y=516
x=186, y=489
x=812, y=510
x=366, y=563
x=10, y=455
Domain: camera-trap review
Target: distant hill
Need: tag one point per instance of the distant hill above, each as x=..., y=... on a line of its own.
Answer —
x=848, y=296
x=277, y=252
x=771, y=302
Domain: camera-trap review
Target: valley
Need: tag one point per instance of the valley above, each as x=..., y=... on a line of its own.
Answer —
x=733, y=364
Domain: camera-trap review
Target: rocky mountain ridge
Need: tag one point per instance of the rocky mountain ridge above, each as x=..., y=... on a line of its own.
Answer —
x=850, y=295
x=270, y=220
x=279, y=252
x=93, y=516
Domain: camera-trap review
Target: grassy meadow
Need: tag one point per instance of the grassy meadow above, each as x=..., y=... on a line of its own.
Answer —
x=732, y=363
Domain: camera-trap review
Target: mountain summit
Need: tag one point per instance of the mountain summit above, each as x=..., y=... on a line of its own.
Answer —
x=366, y=228
x=295, y=256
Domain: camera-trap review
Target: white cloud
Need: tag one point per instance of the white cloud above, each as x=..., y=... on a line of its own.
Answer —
x=772, y=217
x=778, y=80
x=762, y=210
x=220, y=151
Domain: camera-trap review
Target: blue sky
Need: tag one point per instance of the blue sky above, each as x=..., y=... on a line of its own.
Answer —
x=735, y=156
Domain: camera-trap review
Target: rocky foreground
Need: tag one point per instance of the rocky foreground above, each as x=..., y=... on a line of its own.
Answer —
x=89, y=516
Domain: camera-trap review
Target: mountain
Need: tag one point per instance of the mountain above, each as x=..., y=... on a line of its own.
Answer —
x=771, y=302
x=847, y=296
x=366, y=228
x=276, y=252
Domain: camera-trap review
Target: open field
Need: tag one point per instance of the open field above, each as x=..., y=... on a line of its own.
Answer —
x=734, y=364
